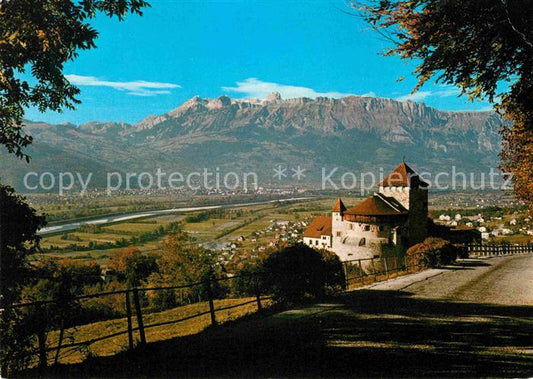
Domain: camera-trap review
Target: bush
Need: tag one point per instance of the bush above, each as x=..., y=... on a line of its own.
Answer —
x=248, y=281
x=433, y=252
x=297, y=272
x=163, y=300
x=98, y=310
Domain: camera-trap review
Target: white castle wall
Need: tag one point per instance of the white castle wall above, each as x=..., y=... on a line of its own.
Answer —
x=399, y=193
x=322, y=242
x=347, y=239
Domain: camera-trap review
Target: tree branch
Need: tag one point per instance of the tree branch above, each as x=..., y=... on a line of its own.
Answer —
x=515, y=29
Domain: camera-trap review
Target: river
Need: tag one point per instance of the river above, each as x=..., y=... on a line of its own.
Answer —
x=135, y=215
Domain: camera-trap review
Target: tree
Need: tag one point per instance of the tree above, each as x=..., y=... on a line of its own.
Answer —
x=132, y=266
x=59, y=282
x=41, y=36
x=485, y=47
x=18, y=226
x=297, y=271
x=181, y=264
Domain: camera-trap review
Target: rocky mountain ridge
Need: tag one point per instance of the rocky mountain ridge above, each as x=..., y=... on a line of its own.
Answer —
x=237, y=134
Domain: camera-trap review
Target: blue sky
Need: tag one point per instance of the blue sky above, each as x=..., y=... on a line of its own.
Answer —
x=241, y=48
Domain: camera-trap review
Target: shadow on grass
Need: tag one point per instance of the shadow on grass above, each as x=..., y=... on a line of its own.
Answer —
x=365, y=333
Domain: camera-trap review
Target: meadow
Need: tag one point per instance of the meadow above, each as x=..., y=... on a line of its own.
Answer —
x=252, y=226
x=217, y=228
x=114, y=345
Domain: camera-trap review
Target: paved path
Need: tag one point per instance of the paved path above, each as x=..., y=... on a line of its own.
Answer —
x=498, y=280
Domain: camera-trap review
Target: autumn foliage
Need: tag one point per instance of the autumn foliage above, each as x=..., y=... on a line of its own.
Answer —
x=432, y=252
x=484, y=47
x=40, y=37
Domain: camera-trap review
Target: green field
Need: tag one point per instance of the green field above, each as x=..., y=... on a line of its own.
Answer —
x=250, y=222
x=217, y=229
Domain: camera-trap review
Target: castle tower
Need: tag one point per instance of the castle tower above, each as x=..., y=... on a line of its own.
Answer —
x=337, y=217
x=405, y=186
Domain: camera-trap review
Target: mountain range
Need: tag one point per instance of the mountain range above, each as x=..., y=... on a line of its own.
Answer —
x=243, y=135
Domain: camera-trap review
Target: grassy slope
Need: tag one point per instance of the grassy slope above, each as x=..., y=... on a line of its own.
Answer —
x=117, y=344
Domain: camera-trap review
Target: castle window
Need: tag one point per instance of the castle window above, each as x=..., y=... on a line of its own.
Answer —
x=316, y=242
x=380, y=228
x=338, y=234
x=351, y=226
x=367, y=228
x=362, y=242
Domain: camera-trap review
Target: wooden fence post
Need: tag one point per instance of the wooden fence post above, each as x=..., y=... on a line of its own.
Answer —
x=361, y=272
x=43, y=359
x=138, y=310
x=374, y=270
x=345, y=267
x=386, y=268
x=41, y=339
x=128, y=313
x=258, y=298
x=58, y=349
x=211, y=303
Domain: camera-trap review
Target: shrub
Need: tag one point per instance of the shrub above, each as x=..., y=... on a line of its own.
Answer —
x=297, y=272
x=248, y=280
x=334, y=273
x=163, y=300
x=98, y=310
x=432, y=252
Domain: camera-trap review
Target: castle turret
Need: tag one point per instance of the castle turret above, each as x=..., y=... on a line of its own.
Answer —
x=339, y=207
x=337, y=217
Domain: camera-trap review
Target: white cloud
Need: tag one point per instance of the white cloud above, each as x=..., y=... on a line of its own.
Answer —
x=446, y=91
x=417, y=96
x=487, y=108
x=369, y=94
x=256, y=88
x=135, y=88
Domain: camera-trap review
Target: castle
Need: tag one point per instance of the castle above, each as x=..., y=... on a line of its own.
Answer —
x=396, y=214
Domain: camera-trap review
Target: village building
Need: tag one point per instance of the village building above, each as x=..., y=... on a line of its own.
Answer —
x=395, y=214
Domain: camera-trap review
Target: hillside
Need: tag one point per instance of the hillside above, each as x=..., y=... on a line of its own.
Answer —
x=352, y=133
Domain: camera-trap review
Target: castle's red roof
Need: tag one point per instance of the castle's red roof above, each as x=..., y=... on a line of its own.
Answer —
x=403, y=176
x=320, y=226
x=339, y=206
x=377, y=205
